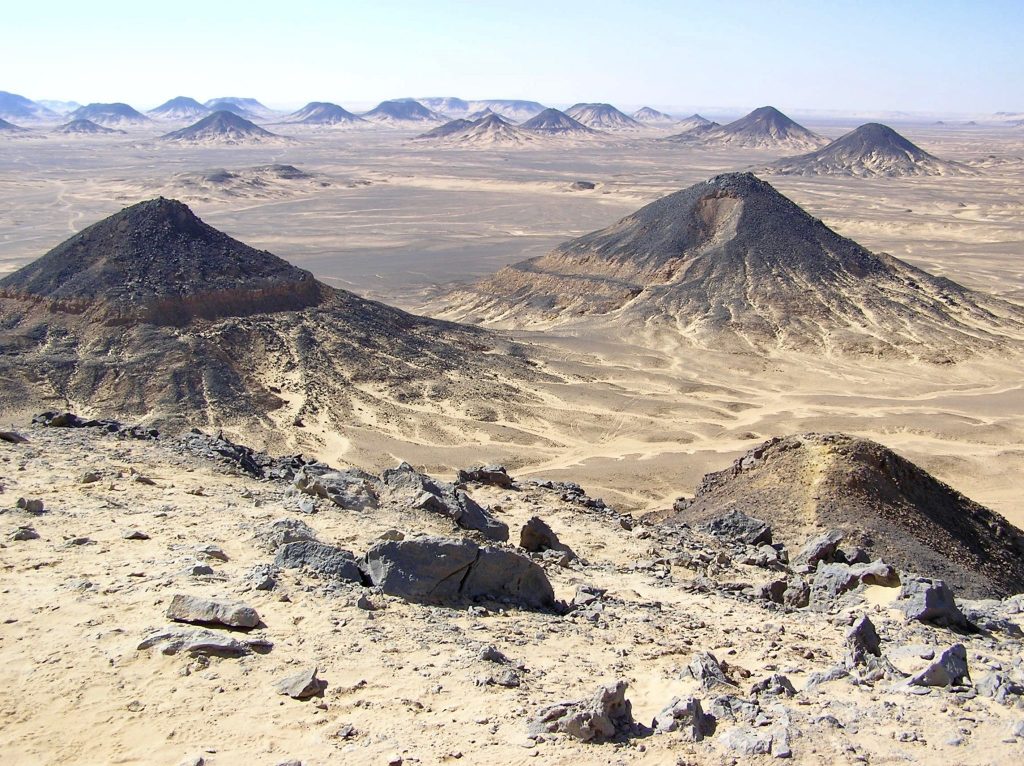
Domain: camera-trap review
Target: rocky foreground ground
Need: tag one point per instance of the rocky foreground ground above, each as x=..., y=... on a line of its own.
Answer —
x=185, y=600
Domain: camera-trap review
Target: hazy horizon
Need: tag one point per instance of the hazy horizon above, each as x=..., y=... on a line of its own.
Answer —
x=917, y=57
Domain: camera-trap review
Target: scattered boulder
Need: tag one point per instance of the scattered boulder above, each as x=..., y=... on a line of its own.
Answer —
x=729, y=707
x=134, y=534
x=31, y=505
x=11, y=437
x=446, y=571
x=998, y=686
x=706, y=669
x=204, y=611
x=445, y=499
x=929, y=600
x=736, y=526
x=282, y=531
x=536, y=537
x=325, y=561
x=950, y=669
x=684, y=716
x=605, y=715
x=833, y=580
x=261, y=577
x=861, y=641
x=746, y=741
x=792, y=592
x=302, y=685
x=492, y=475
x=351, y=488
x=821, y=548
x=775, y=685
x=24, y=533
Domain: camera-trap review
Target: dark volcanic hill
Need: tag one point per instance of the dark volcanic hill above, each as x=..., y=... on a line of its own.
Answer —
x=764, y=128
x=17, y=108
x=488, y=131
x=156, y=262
x=85, y=128
x=806, y=484
x=554, y=122
x=870, y=150
x=110, y=115
x=151, y=313
x=732, y=264
x=324, y=113
x=602, y=117
x=405, y=113
x=180, y=108
x=223, y=128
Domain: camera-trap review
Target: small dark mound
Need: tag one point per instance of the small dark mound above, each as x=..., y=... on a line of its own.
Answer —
x=803, y=484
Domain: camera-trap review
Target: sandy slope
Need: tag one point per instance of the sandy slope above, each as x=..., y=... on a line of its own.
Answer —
x=404, y=676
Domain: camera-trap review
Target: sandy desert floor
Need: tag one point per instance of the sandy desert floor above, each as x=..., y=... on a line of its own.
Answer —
x=400, y=222
x=407, y=683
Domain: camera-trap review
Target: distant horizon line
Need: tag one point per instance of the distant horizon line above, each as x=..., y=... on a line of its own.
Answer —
x=285, y=107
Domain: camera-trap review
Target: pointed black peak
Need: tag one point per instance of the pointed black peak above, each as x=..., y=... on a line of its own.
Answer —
x=554, y=121
x=157, y=262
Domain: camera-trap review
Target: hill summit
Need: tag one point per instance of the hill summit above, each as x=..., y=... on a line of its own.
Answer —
x=870, y=150
x=157, y=262
x=223, y=127
x=731, y=263
x=554, y=122
x=764, y=128
x=602, y=117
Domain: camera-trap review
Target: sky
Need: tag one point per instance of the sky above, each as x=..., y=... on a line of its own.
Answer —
x=936, y=57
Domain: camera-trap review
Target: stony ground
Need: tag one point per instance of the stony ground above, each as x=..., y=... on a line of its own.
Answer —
x=127, y=524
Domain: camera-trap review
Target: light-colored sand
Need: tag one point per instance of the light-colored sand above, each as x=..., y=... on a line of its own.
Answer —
x=78, y=691
x=637, y=425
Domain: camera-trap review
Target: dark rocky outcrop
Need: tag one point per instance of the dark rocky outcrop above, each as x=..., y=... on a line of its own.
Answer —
x=878, y=500
x=447, y=571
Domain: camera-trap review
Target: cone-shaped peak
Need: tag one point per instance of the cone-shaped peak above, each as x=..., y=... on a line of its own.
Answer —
x=156, y=261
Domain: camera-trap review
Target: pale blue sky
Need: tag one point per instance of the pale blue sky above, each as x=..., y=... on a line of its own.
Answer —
x=939, y=56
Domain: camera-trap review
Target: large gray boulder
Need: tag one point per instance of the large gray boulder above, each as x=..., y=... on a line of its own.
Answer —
x=205, y=611
x=685, y=717
x=833, y=580
x=605, y=715
x=351, y=488
x=949, y=669
x=447, y=571
x=736, y=526
x=929, y=600
x=326, y=561
x=443, y=498
x=821, y=548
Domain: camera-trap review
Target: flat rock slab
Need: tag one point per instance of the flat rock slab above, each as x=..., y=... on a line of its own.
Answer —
x=195, y=641
x=204, y=611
